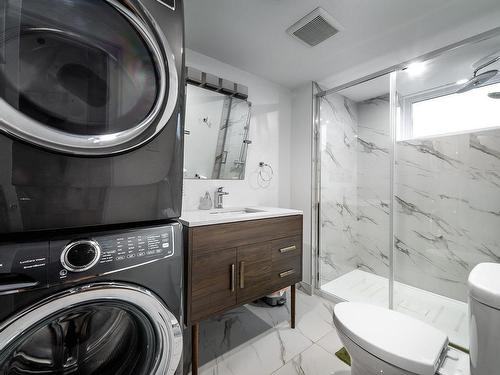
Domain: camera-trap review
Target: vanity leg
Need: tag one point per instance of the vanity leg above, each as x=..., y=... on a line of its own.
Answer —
x=195, y=343
x=292, y=307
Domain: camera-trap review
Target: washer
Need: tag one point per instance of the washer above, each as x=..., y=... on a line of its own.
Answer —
x=91, y=112
x=107, y=303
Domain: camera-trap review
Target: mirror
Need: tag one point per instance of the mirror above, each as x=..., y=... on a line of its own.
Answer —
x=216, y=135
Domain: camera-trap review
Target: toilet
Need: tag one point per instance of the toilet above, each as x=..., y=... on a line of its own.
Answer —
x=382, y=341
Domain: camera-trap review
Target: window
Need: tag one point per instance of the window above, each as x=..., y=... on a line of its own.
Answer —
x=443, y=111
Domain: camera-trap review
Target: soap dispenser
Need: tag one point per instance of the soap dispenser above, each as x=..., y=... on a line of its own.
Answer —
x=205, y=202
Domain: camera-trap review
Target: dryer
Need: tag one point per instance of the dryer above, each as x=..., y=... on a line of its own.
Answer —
x=101, y=303
x=91, y=112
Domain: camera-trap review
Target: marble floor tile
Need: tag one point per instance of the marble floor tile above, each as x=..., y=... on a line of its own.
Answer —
x=314, y=361
x=256, y=339
x=263, y=355
x=331, y=342
x=272, y=316
x=314, y=316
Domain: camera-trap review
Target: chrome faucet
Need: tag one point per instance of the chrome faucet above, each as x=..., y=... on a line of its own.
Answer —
x=219, y=193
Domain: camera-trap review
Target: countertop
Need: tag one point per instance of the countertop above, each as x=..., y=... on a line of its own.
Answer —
x=198, y=218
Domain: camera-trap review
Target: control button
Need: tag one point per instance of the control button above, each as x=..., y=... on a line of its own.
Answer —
x=130, y=256
x=141, y=254
x=159, y=251
x=63, y=272
x=81, y=255
x=121, y=257
x=165, y=245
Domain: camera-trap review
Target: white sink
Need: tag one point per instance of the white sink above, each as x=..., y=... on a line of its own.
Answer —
x=235, y=211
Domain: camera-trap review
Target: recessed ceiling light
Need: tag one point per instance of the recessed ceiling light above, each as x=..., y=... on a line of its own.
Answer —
x=462, y=81
x=416, y=68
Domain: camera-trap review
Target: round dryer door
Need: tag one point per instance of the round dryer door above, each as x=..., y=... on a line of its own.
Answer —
x=84, y=77
x=99, y=329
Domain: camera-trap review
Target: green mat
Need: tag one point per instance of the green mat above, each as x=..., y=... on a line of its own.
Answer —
x=344, y=356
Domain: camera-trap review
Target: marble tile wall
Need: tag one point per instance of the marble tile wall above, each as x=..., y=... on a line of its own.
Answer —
x=373, y=190
x=355, y=186
x=339, y=129
x=447, y=199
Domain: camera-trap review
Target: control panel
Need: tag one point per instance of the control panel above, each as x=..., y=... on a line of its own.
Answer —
x=51, y=261
x=109, y=252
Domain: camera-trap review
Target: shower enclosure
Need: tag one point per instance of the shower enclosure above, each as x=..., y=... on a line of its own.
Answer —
x=408, y=183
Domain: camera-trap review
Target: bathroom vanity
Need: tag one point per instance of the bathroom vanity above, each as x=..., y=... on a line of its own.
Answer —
x=236, y=256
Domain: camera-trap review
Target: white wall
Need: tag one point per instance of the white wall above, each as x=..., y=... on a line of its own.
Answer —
x=301, y=166
x=270, y=132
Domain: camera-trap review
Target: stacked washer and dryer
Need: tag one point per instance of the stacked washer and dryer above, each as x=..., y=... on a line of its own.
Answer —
x=91, y=129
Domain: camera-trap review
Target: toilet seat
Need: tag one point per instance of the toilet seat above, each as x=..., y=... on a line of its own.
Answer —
x=393, y=337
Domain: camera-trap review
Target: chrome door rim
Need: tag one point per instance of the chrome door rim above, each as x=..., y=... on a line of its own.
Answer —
x=24, y=127
x=167, y=328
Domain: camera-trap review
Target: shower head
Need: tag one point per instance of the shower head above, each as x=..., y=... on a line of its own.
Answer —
x=494, y=95
x=477, y=81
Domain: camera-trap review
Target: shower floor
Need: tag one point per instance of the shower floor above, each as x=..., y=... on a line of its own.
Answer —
x=444, y=313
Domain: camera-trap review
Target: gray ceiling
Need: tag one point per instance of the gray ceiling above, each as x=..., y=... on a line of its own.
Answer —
x=250, y=34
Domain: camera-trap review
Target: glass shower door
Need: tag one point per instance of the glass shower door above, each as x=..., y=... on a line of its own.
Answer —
x=355, y=180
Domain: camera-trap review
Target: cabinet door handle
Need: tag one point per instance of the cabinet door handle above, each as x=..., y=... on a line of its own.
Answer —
x=288, y=249
x=287, y=273
x=233, y=276
x=242, y=275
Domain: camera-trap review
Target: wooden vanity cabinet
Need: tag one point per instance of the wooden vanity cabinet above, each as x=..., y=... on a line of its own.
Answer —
x=213, y=282
x=231, y=264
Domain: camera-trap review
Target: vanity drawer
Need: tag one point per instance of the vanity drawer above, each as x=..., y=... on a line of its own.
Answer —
x=245, y=233
x=286, y=272
x=286, y=248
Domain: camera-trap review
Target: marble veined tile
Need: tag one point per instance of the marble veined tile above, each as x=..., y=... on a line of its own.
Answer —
x=314, y=361
x=447, y=209
x=314, y=316
x=263, y=355
x=444, y=313
x=331, y=342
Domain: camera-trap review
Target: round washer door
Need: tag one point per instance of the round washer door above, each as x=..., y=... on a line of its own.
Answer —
x=99, y=329
x=85, y=77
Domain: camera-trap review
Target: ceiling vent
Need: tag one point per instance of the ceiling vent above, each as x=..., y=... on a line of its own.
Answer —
x=315, y=28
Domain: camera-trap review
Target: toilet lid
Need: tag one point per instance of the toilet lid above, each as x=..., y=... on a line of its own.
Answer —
x=484, y=284
x=393, y=337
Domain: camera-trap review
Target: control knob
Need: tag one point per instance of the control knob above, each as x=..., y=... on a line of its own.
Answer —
x=81, y=255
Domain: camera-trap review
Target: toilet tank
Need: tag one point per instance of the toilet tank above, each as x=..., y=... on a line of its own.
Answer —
x=484, y=319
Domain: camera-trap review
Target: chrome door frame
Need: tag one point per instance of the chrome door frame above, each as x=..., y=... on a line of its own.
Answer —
x=167, y=329
x=23, y=127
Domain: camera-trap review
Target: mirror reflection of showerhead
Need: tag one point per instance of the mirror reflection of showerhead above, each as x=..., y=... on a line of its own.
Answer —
x=479, y=80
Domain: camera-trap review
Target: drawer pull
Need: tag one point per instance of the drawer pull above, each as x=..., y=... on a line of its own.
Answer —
x=288, y=249
x=233, y=276
x=242, y=275
x=287, y=273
